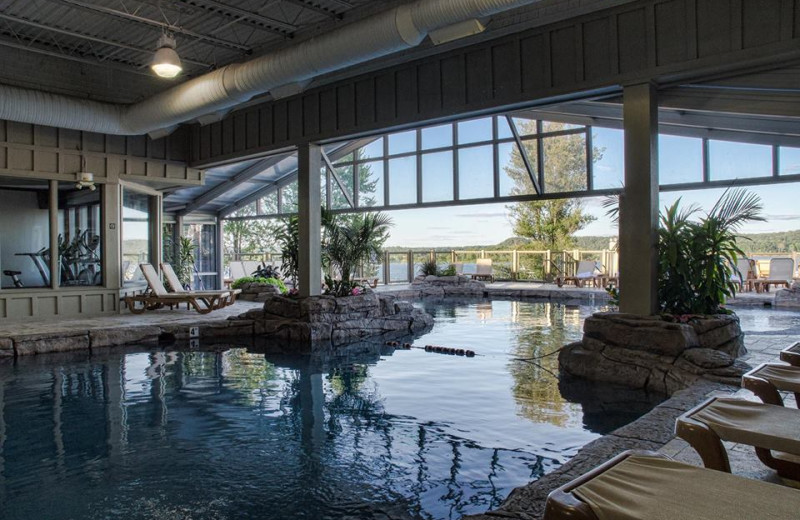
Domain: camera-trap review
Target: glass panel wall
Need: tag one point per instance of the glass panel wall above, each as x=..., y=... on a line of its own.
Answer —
x=204, y=238
x=24, y=233
x=79, y=236
x=136, y=234
x=680, y=159
x=728, y=160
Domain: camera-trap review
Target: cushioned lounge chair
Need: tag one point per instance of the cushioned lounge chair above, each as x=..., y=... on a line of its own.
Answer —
x=774, y=432
x=768, y=380
x=483, y=270
x=175, y=284
x=586, y=272
x=791, y=354
x=648, y=486
x=781, y=271
x=157, y=296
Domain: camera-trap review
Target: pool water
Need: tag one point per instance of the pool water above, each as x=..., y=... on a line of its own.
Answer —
x=367, y=432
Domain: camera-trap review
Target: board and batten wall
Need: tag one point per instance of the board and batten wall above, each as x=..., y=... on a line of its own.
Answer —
x=639, y=41
x=55, y=154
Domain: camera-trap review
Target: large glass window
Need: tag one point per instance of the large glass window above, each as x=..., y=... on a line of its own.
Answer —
x=403, y=180
x=608, y=169
x=680, y=159
x=475, y=172
x=24, y=233
x=289, y=198
x=475, y=131
x=789, y=160
x=79, y=236
x=370, y=184
x=728, y=160
x=437, y=176
x=404, y=142
x=437, y=137
x=564, y=162
x=514, y=176
x=136, y=234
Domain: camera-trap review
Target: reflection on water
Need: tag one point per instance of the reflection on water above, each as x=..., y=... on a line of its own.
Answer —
x=364, y=432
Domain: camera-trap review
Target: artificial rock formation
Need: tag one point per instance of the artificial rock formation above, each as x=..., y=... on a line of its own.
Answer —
x=257, y=292
x=336, y=320
x=788, y=297
x=653, y=353
x=458, y=285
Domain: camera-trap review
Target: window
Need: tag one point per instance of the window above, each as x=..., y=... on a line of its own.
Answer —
x=136, y=234
x=789, y=160
x=437, y=137
x=475, y=131
x=268, y=204
x=338, y=197
x=564, y=163
x=204, y=238
x=24, y=233
x=680, y=159
x=437, y=176
x=728, y=160
x=370, y=184
x=289, y=199
x=404, y=142
x=373, y=150
x=608, y=153
x=80, y=236
x=475, y=172
x=514, y=177
x=403, y=181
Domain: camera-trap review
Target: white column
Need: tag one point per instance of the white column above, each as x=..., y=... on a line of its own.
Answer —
x=638, y=222
x=309, y=160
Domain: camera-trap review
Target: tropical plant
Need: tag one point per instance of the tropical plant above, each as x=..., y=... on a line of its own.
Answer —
x=450, y=270
x=241, y=282
x=184, y=262
x=266, y=271
x=429, y=268
x=697, y=259
x=350, y=242
x=342, y=287
x=288, y=237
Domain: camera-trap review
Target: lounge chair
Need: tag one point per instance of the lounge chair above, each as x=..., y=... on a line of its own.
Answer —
x=483, y=270
x=646, y=485
x=157, y=296
x=768, y=380
x=459, y=266
x=371, y=282
x=175, y=284
x=745, y=274
x=781, y=272
x=238, y=270
x=774, y=432
x=791, y=354
x=586, y=271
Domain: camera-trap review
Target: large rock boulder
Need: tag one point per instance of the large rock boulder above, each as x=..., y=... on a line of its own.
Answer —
x=436, y=286
x=257, y=292
x=657, y=353
x=788, y=297
x=336, y=319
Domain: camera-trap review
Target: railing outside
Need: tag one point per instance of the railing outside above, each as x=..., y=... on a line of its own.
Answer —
x=522, y=265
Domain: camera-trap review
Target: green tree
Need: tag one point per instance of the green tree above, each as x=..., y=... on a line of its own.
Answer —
x=248, y=236
x=551, y=224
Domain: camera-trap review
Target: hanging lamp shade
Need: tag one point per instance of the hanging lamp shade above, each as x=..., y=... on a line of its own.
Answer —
x=166, y=62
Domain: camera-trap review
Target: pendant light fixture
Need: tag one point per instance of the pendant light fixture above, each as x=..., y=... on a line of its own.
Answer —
x=166, y=62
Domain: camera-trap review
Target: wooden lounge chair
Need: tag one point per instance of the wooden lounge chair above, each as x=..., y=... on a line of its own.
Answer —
x=649, y=486
x=791, y=354
x=483, y=270
x=157, y=296
x=175, y=284
x=781, y=271
x=774, y=432
x=586, y=272
x=768, y=380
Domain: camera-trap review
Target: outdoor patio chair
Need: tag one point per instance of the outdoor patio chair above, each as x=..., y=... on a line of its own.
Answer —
x=157, y=296
x=774, y=432
x=586, y=271
x=745, y=274
x=175, y=284
x=647, y=485
x=791, y=354
x=459, y=268
x=483, y=270
x=781, y=272
x=768, y=380
x=238, y=270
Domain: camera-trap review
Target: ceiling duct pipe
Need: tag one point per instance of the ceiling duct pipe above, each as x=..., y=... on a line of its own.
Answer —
x=376, y=36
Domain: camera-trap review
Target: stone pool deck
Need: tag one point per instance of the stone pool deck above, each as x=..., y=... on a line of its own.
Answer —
x=654, y=431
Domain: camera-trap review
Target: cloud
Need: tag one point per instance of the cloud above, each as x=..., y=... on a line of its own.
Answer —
x=782, y=217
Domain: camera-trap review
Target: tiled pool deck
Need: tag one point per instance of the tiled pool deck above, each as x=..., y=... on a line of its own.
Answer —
x=654, y=431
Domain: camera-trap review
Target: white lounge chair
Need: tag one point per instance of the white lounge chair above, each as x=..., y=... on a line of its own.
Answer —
x=483, y=270
x=781, y=272
x=157, y=296
x=175, y=284
x=238, y=270
x=744, y=274
x=587, y=271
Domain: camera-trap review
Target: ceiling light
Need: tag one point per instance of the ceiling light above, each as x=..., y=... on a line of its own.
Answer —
x=166, y=62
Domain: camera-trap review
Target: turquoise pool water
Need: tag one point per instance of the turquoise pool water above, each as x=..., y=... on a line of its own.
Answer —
x=225, y=432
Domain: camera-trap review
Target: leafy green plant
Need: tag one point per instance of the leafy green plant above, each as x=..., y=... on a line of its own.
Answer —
x=354, y=240
x=184, y=264
x=450, y=270
x=266, y=271
x=241, y=282
x=341, y=288
x=288, y=238
x=429, y=268
x=697, y=259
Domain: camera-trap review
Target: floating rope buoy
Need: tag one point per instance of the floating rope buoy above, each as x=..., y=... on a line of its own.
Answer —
x=438, y=349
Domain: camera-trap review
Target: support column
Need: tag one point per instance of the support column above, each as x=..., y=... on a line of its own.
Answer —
x=638, y=216
x=220, y=253
x=309, y=161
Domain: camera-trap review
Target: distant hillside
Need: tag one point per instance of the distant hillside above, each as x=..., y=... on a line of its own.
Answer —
x=784, y=242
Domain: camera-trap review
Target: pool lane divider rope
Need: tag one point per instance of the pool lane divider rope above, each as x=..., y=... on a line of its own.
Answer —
x=433, y=348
